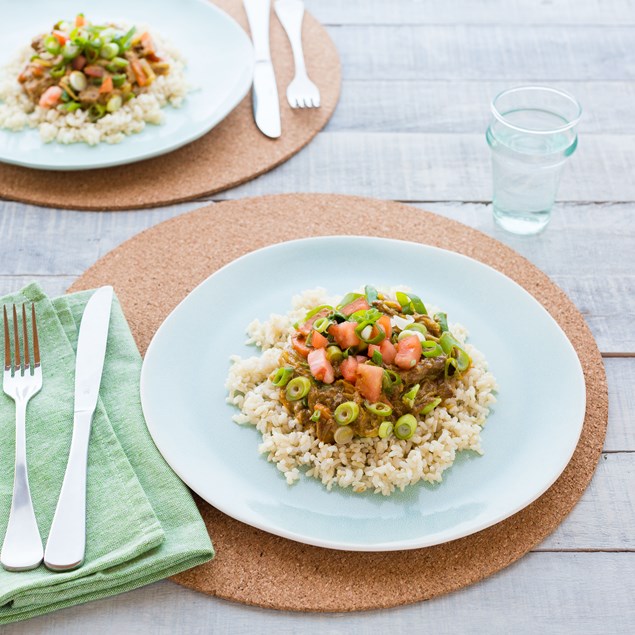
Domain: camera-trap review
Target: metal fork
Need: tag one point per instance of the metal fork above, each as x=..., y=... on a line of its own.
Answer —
x=22, y=546
x=301, y=92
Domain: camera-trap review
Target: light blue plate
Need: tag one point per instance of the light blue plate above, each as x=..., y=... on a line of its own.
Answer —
x=219, y=68
x=528, y=440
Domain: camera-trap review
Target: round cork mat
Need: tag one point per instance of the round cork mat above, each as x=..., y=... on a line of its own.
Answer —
x=232, y=153
x=153, y=271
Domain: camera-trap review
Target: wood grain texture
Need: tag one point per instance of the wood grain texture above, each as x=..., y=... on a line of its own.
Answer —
x=550, y=593
x=523, y=12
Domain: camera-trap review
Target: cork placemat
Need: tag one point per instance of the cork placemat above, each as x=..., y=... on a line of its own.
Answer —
x=153, y=271
x=232, y=153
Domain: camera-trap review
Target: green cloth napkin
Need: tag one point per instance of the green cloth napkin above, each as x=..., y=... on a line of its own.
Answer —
x=142, y=523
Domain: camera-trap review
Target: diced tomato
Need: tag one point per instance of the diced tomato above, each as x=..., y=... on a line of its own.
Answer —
x=369, y=379
x=372, y=348
x=348, y=368
x=61, y=38
x=344, y=334
x=356, y=305
x=80, y=20
x=299, y=344
x=308, y=325
x=147, y=42
x=318, y=340
x=79, y=62
x=361, y=358
x=320, y=366
x=51, y=97
x=408, y=352
x=140, y=76
x=106, y=85
x=92, y=70
x=388, y=351
x=384, y=322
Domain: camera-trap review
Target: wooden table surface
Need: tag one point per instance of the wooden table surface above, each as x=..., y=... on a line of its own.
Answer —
x=418, y=77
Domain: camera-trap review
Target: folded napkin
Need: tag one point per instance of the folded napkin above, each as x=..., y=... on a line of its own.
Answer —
x=142, y=524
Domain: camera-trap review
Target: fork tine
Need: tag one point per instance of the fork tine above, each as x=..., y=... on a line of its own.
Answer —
x=25, y=330
x=7, y=341
x=16, y=341
x=36, y=342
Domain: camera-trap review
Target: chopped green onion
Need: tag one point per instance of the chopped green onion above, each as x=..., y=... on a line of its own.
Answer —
x=377, y=358
x=114, y=103
x=431, y=349
x=52, y=44
x=77, y=80
x=118, y=80
x=452, y=347
x=95, y=44
x=282, y=376
x=124, y=42
x=409, y=397
x=108, y=51
x=417, y=304
x=404, y=302
x=321, y=324
x=385, y=429
x=409, y=333
x=69, y=107
x=334, y=354
x=450, y=367
x=58, y=71
x=70, y=51
x=378, y=408
x=442, y=319
x=346, y=413
x=405, y=427
x=65, y=96
x=317, y=309
x=431, y=406
x=348, y=298
x=96, y=111
x=416, y=326
x=390, y=380
x=298, y=388
x=371, y=294
x=365, y=335
x=315, y=417
x=343, y=434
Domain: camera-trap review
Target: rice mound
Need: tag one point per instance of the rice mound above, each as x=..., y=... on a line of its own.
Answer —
x=17, y=111
x=380, y=465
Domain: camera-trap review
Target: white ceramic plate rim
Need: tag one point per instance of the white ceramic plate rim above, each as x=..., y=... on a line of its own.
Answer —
x=240, y=89
x=433, y=539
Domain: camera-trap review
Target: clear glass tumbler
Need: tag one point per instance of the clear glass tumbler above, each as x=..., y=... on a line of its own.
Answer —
x=531, y=134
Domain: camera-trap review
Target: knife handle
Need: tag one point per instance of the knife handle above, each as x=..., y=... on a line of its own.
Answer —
x=258, y=17
x=66, y=543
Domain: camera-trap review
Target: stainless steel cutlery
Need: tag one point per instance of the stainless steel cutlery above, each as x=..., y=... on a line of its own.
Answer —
x=301, y=92
x=66, y=543
x=22, y=546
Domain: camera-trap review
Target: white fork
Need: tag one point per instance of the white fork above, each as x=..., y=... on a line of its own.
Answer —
x=301, y=92
x=22, y=546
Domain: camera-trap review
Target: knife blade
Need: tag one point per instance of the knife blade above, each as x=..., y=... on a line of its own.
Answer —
x=66, y=543
x=266, y=105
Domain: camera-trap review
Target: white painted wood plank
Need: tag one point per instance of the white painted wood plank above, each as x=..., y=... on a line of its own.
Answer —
x=437, y=167
x=486, y=52
x=550, y=593
x=463, y=106
x=525, y=12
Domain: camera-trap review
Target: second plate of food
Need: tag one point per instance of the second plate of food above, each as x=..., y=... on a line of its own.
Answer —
x=358, y=416
x=87, y=86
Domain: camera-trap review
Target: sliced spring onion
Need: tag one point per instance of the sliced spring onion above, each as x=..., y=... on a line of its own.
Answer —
x=409, y=397
x=96, y=111
x=343, y=434
x=108, y=51
x=431, y=349
x=371, y=294
x=52, y=44
x=378, y=408
x=442, y=319
x=400, y=322
x=321, y=324
x=348, y=298
x=316, y=310
x=334, y=354
x=451, y=367
x=114, y=103
x=70, y=51
x=282, y=376
x=346, y=413
x=69, y=107
x=298, y=388
x=452, y=347
x=390, y=380
x=364, y=329
x=385, y=429
x=77, y=80
x=416, y=326
x=377, y=358
x=118, y=80
x=405, y=427
x=409, y=333
x=58, y=71
x=417, y=304
x=431, y=406
x=315, y=416
x=404, y=302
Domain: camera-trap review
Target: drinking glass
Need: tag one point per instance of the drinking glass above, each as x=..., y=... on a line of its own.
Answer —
x=532, y=132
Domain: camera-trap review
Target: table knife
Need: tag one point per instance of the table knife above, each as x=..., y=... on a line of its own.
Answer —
x=264, y=91
x=67, y=539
